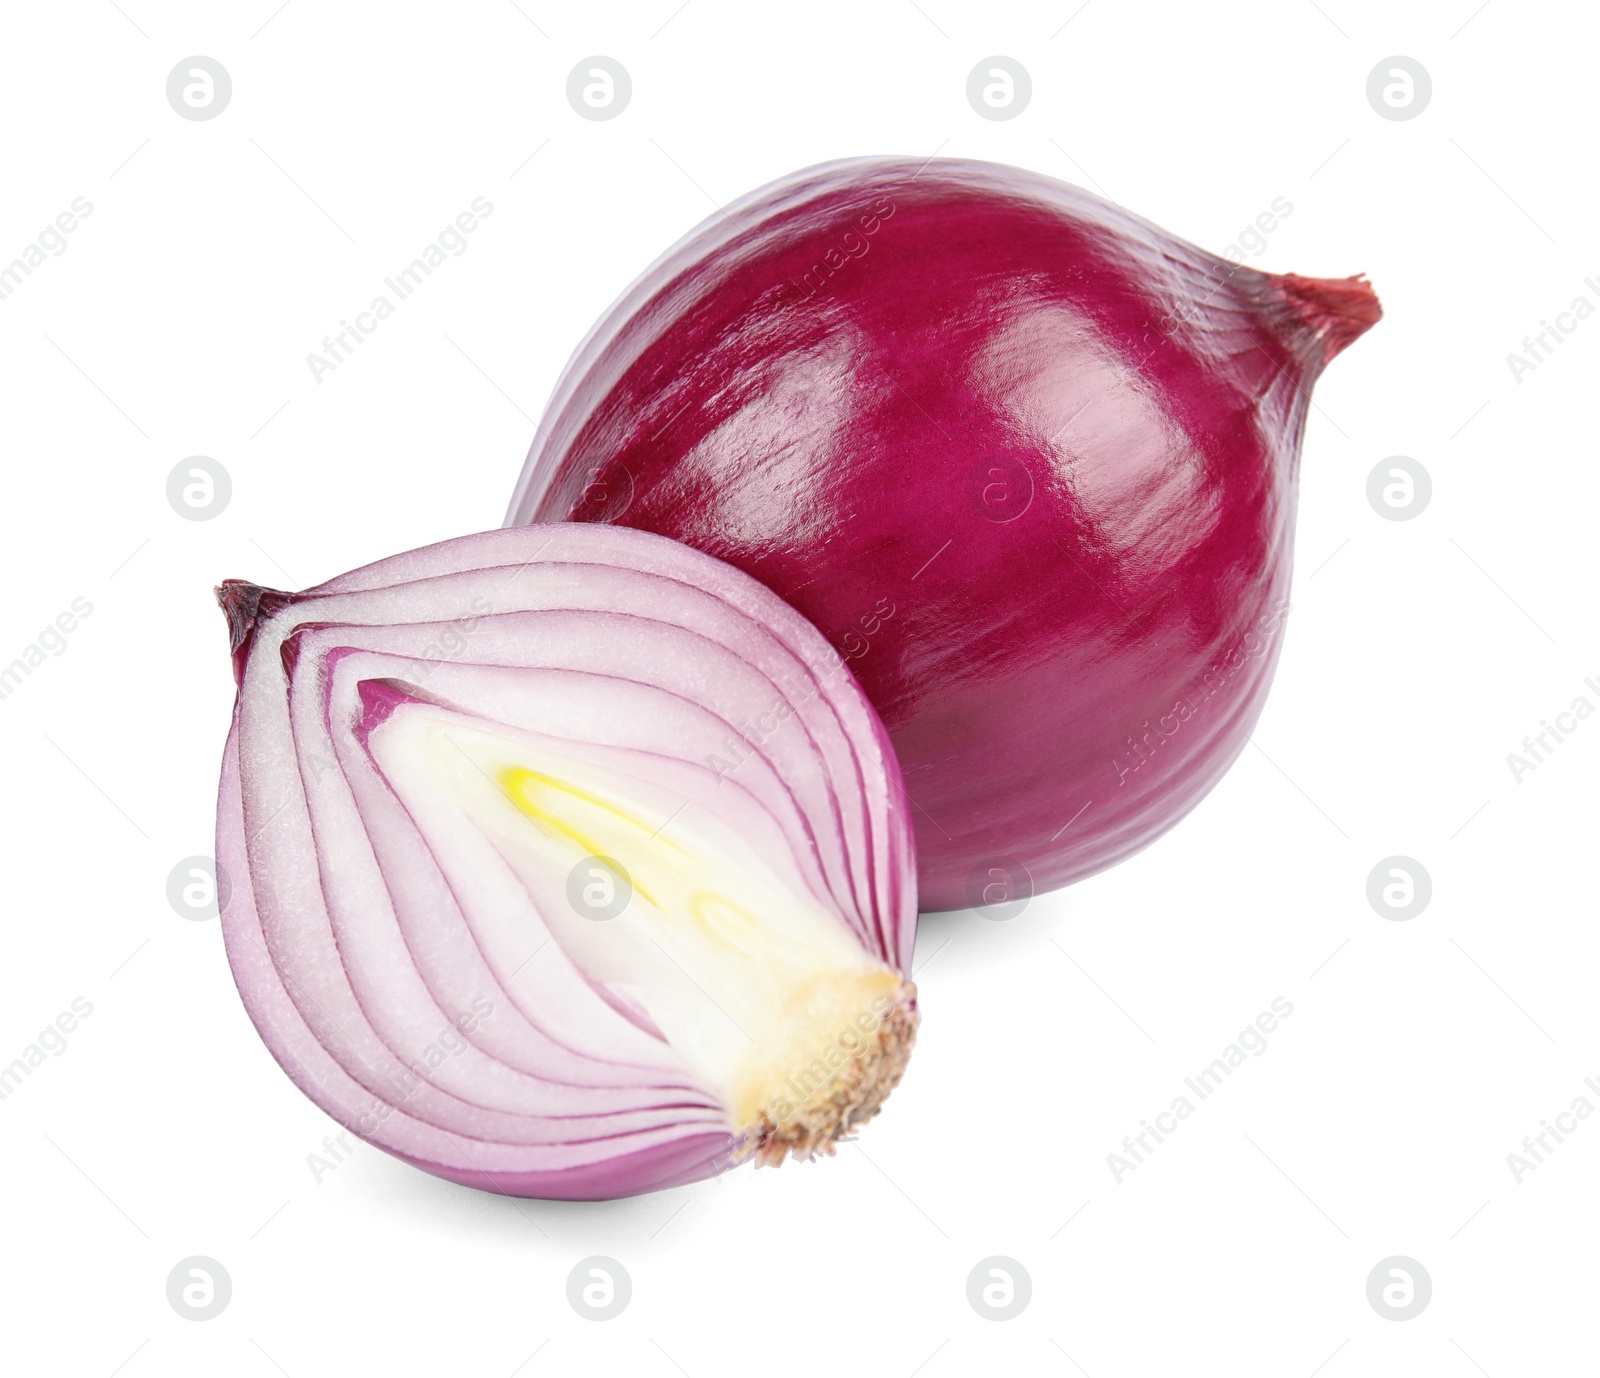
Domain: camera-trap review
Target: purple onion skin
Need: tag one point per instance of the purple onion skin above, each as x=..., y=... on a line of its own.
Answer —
x=818, y=388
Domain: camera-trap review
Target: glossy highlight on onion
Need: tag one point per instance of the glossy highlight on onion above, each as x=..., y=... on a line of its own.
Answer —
x=565, y=862
x=1028, y=461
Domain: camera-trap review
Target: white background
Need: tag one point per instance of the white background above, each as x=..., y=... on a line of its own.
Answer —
x=1419, y=653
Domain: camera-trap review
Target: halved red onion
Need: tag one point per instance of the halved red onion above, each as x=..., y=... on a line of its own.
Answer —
x=1027, y=459
x=566, y=862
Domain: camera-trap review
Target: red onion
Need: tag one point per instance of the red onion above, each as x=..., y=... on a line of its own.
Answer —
x=1027, y=460
x=566, y=862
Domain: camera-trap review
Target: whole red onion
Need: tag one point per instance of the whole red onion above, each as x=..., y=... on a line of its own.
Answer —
x=1029, y=461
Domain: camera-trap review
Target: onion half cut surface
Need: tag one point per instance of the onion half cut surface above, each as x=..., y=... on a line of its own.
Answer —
x=565, y=862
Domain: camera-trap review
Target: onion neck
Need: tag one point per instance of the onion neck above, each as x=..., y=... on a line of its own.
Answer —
x=1328, y=314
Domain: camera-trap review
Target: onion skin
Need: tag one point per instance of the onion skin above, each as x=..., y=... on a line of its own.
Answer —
x=361, y=947
x=1061, y=444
